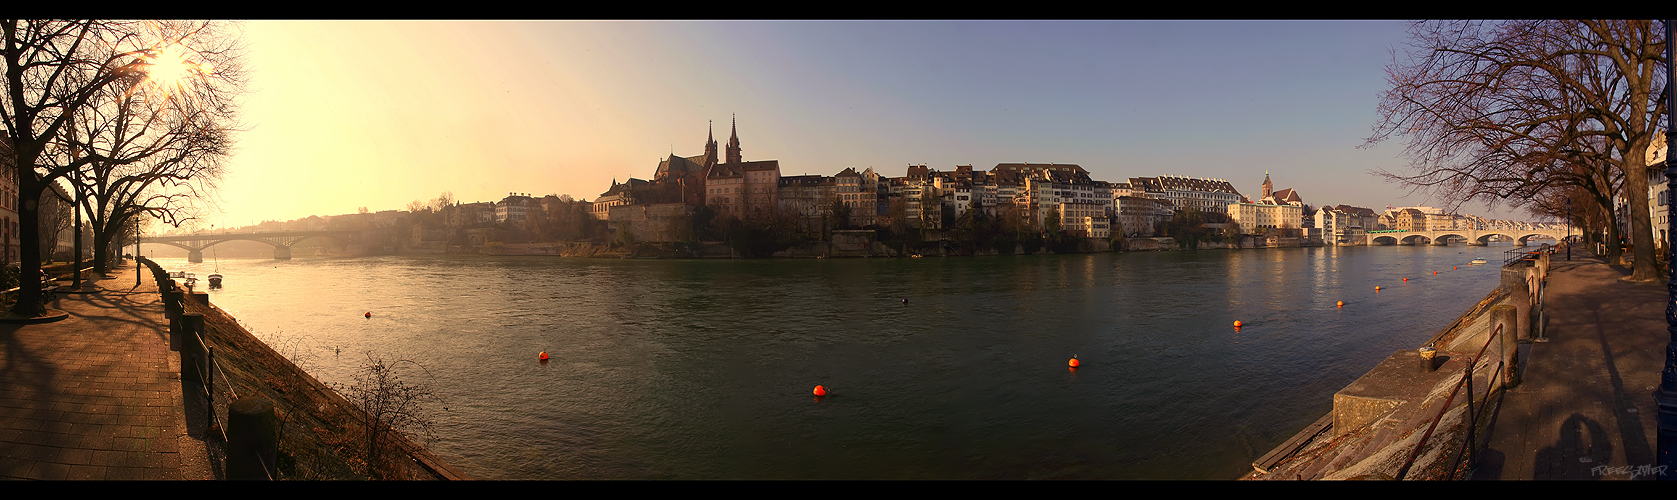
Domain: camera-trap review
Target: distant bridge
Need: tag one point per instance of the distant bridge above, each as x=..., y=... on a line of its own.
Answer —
x=280, y=240
x=1473, y=236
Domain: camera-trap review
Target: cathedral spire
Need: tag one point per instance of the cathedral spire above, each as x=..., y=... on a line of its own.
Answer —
x=710, y=144
x=734, y=143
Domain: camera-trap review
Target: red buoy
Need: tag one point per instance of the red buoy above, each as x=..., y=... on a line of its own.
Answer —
x=369, y=315
x=1340, y=303
x=1406, y=280
x=543, y=355
x=1073, y=362
x=820, y=391
x=1435, y=273
x=1237, y=323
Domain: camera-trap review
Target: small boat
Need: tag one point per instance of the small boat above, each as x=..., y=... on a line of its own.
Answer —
x=1477, y=261
x=191, y=279
x=215, y=281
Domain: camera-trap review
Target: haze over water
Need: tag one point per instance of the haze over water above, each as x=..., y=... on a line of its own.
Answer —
x=702, y=369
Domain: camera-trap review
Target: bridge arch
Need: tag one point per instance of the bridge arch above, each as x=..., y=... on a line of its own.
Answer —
x=1415, y=239
x=281, y=241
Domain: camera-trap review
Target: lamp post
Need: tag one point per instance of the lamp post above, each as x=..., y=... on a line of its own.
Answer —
x=1666, y=396
x=137, y=265
x=1568, y=228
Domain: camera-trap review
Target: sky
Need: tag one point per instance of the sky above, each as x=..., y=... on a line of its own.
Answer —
x=348, y=114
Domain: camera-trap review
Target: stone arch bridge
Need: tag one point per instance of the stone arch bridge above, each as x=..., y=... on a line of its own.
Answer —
x=1475, y=237
x=280, y=240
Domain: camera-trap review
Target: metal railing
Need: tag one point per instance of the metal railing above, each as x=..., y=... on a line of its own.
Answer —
x=1468, y=446
x=193, y=346
x=211, y=370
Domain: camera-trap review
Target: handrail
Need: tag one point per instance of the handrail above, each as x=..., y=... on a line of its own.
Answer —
x=1473, y=416
x=215, y=369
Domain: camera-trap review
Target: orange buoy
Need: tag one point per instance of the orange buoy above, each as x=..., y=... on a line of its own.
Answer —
x=1377, y=288
x=1237, y=323
x=1454, y=267
x=369, y=315
x=544, y=356
x=1340, y=303
x=820, y=391
x=1435, y=273
x=1406, y=280
x=1073, y=362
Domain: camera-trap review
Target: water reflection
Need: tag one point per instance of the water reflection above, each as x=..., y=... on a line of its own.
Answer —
x=703, y=369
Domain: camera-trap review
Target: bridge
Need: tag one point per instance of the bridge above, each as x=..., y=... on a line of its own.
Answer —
x=280, y=240
x=1476, y=237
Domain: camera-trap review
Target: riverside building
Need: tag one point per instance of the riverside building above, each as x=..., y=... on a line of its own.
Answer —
x=1186, y=193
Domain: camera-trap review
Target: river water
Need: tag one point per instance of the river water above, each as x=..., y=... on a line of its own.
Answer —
x=703, y=369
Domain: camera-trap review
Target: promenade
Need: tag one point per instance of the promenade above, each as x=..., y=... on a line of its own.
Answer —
x=1585, y=409
x=97, y=395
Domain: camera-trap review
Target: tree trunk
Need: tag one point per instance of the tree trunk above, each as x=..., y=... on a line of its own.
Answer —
x=29, y=245
x=102, y=251
x=1613, y=236
x=1641, y=227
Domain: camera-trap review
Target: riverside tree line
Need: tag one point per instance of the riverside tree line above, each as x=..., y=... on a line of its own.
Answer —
x=132, y=119
x=1558, y=117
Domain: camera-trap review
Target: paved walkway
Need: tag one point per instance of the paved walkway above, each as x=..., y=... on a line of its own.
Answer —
x=1586, y=402
x=97, y=395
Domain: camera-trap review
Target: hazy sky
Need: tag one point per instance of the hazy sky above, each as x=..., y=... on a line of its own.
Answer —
x=377, y=114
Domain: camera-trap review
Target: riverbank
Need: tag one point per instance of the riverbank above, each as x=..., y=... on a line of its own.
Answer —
x=321, y=434
x=1403, y=421
x=860, y=244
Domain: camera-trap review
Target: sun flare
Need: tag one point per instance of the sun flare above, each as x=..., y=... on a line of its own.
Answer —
x=172, y=68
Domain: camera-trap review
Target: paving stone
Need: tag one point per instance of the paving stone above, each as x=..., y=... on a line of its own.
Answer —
x=92, y=397
x=1575, y=387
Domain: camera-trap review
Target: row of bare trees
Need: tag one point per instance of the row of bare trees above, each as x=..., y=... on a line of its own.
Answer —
x=134, y=116
x=1533, y=114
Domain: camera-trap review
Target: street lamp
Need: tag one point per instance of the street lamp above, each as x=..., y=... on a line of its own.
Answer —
x=1569, y=228
x=1666, y=396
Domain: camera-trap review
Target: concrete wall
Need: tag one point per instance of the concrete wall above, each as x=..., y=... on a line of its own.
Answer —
x=1378, y=420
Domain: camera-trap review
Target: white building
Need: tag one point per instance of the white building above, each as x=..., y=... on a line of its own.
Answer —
x=1186, y=193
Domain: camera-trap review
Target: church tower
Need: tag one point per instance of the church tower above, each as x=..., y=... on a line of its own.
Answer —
x=734, y=143
x=710, y=146
x=1269, y=187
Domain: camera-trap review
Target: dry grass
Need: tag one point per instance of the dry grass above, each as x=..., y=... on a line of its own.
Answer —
x=322, y=435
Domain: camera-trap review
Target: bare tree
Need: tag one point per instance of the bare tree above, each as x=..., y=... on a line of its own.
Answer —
x=1500, y=112
x=389, y=404
x=153, y=155
x=54, y=69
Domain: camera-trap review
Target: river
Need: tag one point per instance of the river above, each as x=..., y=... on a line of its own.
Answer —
x=703, y=369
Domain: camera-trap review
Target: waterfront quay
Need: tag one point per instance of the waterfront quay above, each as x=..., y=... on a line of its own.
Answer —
x=1586, y=360
x=98, y=394
x=1585, y=408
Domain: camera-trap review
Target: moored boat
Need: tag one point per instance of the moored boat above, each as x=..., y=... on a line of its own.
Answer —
x=215, y=281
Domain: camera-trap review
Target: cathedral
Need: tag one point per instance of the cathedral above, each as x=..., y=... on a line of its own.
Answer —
x=730, y=186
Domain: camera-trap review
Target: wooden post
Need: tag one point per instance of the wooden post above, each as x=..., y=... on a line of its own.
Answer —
x=1508, y=317
x=252, y=440
x=193, y=360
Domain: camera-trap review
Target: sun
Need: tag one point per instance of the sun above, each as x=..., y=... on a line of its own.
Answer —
x=171, y=68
